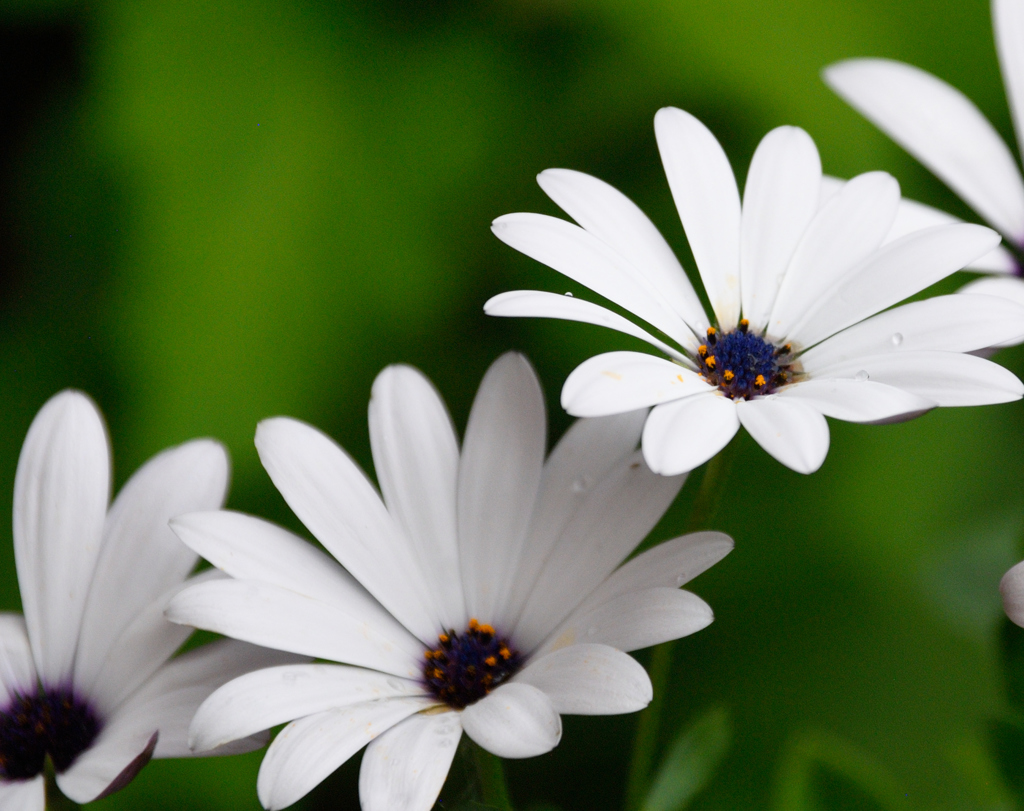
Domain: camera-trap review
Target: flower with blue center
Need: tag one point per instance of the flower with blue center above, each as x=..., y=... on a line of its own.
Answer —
x=86, y=676
x=482, y=594
x=945, y=130
x=797, y=273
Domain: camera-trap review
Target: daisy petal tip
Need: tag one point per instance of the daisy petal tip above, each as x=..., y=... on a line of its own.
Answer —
x=1012, y=589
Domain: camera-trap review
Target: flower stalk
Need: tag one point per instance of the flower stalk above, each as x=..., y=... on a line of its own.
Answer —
x=490, y=775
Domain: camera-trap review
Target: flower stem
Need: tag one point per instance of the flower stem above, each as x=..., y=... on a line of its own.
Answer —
x=491, y=776
x=705, y=506
x=55, y=799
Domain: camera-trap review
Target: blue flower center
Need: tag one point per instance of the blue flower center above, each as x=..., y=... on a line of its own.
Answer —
x=465, y=667
x=743, y=364
x=52, y=722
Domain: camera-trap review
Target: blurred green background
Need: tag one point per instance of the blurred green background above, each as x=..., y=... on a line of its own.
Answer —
x=215, y=212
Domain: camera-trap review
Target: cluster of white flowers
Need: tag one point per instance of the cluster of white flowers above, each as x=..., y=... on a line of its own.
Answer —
x=489, y=588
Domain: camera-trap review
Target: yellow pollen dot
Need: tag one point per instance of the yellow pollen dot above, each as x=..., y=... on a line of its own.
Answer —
x=428, y=654
x=702, y=350
x=505, y=652
x=710, y=361
x=473, y=624
x=711, y=331
x=437, y=673
x=485, y=629
x=759, y=381
x=491, y=661
x=680, y=378
x=728, y=376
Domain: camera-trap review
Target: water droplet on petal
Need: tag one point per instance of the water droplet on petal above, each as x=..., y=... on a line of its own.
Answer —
x=897, y=339
x=581, y=485
x=568, y=293
x=861, y=375
x=680, y=579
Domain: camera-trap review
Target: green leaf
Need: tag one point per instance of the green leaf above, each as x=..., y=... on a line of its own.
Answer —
x=691, y=761
x=1012, y=643
x=1007, y=739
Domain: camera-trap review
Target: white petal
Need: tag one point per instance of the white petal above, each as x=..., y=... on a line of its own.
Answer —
x=683, y=435
x=60, y=502
x=17, y=670
x=704, y=189
x=584, y=258
x=538, y=304
x=616, y=382
x=1009, y=288
x=141, y=557
x=334, y=499
x=278, y=618
x=590, y=680
x=943, y=129
x=615, y=517
x=23, y=795
x=416, y=456
x=308, y=750
x=632, y=621
x=779, y=201
x=499, y=474
x=616, y=220
x=857, y=400
x=1008, y=22
x=515, y=721
x=276, y=695
x=406, y=767
x=1012, y=589
x=849, y=228
x=948, y=378
x=891, y=274
x=958, y=323
x=793, y=432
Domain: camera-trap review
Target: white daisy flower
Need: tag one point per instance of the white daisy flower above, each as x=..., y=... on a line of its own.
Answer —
x=483, y=594
x=794, y=275
x=943, y=129
x=84, y=677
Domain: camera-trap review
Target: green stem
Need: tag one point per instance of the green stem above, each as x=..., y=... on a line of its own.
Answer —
x=705, y=506
x=55, y=799
x=491, y=775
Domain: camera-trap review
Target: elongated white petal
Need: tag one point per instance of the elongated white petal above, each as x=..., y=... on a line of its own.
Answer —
x=584, y=258
x=515, y=721
x=947, y=378
x=942, y=128
x=23, y=795
x=793, y=432
x=17, y=670
x=857, y=400
x=1008, y=22
x=334, y=499
x=538, y=304
x=616, y=220
x=406, y=766
x=278, y=618
x=779, y=201
x=499, y=475
x=891, y=274
x=141, y=557
x=957, y=323
x=60, y=502
x=616, y=382
x=275, y=695
x=615, y=517
x=704, y=189
x=308, y=750
x=847, y=229
x=416, y=456
x=632, y=621
x=1012, y=589
x=682, y=435
x=1010, y=289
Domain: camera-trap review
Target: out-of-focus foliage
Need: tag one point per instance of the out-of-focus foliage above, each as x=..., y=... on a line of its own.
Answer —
x=215, y=212
x=690, y=762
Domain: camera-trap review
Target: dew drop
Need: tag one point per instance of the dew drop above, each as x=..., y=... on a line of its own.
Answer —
x=680, y=579
x=569, y=293
x=861, y=375
x=581, y=485
x=897, y=339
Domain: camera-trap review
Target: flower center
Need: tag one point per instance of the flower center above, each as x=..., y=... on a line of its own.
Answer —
x=52, y=722
x=743, y=364
x=466, y=667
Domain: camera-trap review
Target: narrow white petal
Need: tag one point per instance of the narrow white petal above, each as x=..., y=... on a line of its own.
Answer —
x=857, y=400
x=416, y=456
x=515, y=721
x=60, y=502
x=947, y=378
x=683, y=435
x=615, y=517
x=848, y=229
x=616, y=220
x=499, y=475
x=1009, y=288
x=793, y=432
x=1008, y=22
x=17, y=670
x=589, y=679
x=23, y=795
x=278, y=618
x=1012, y=589
x=405, y=768
x=943, y=129
x=616, y=382
x=141, y=558
x=704, y=189
x=957, y=323
x=632, y=621
x=538, y=304
x=584, y=258
x=276, y=695
x=334, y=499
x=308, y=750
x=891, y=274
x=779, y=201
